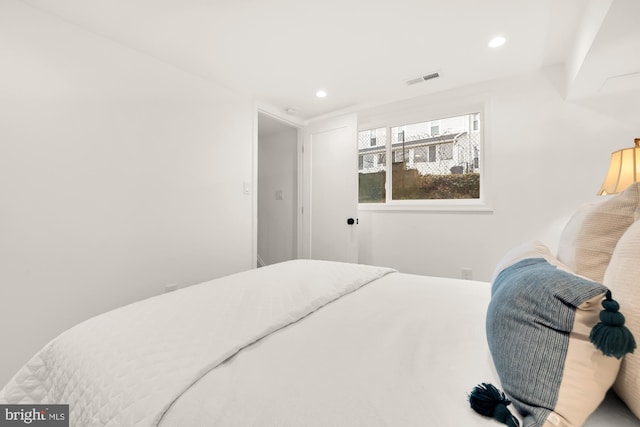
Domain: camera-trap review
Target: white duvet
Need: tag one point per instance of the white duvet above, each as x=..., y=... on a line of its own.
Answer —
x=127, y=367
x=402, y=351
x=298, y=344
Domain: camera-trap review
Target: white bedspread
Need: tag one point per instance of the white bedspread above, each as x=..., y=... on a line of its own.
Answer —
x=127, y=367
x=403, y=351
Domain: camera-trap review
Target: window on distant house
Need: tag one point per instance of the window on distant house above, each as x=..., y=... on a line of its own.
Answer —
x=435, y=128
x=445, y=151
x=432, y=153
x=430, y=160
x=398, y=156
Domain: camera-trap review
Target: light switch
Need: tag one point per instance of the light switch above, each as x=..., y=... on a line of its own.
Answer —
x=246, y=188
x=279, y=195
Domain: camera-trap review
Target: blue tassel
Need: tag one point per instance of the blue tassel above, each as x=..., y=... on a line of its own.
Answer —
x=610, y=335
x=487, y=400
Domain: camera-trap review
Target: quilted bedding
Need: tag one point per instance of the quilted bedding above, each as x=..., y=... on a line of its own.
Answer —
x=404, y=350
x=128, y=366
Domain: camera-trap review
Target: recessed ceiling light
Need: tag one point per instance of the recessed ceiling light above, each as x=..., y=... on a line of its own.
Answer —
x=497, y=42
x=321, y=93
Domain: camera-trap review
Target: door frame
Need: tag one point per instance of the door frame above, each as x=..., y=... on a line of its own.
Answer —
x=298, y=124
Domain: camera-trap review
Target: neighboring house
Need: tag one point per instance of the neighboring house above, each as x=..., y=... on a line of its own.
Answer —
x=439, y=147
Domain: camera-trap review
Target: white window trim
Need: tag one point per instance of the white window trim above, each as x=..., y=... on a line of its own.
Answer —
x=404, y=113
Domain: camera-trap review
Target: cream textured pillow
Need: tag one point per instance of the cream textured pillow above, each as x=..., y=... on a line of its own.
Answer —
x=623, y=278
x=588, y=240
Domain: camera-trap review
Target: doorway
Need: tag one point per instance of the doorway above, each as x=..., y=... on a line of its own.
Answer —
x=278, y=169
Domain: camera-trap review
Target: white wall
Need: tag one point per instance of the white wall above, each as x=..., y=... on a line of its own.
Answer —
x=277, y=219
x=118, y=174
x=547, y=156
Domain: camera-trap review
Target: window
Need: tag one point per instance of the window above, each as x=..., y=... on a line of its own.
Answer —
x=435, y=128
x=368, y=161
x=432, y=153
x=398, y=156
x=445, y=151
x=475, y=124
x=430, y=160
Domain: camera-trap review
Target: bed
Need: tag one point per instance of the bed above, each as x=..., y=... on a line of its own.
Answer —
x=300, y=343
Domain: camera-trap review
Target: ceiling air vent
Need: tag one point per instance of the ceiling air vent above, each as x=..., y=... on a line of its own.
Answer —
x=422, y=78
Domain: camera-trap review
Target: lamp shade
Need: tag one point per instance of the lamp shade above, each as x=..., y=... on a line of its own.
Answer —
x=624, y=170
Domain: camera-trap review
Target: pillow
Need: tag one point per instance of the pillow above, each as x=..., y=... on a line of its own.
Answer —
x=589, y=238
x=538, y=325
x=532, y=249
x=623, y=278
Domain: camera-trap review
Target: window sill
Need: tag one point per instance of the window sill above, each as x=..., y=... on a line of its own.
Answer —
x=436, y=206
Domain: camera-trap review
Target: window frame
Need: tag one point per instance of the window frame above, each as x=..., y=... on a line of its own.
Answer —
x=416, y=111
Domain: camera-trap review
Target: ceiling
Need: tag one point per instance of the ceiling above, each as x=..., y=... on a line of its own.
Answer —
x=282, y=51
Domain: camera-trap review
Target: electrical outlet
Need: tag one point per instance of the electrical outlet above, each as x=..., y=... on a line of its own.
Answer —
x=466, y=274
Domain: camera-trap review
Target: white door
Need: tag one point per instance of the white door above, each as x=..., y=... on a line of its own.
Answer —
x=331, y=189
